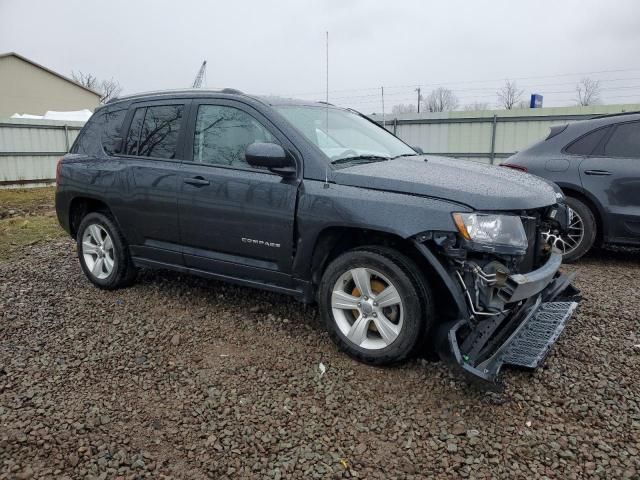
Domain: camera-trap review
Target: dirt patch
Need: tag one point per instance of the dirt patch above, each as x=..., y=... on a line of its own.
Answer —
x=26, y=201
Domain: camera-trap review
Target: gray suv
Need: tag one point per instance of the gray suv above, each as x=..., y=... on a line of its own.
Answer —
x=597, y=164
x=400, y=251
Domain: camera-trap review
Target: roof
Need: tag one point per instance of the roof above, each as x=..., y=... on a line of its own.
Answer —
x=218, y=92
x=602, y=120
x=25, y=59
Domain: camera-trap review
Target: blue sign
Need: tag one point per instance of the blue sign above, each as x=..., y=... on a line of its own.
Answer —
x=536, y=101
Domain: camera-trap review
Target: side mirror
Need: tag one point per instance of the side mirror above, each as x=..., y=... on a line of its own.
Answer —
x=271, y=156
x=418, y=150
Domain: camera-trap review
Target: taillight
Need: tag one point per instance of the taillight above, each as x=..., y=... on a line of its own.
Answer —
x=58, y=170
x=515, y=167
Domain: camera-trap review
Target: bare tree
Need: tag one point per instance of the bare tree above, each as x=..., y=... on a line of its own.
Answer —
x=107, y=89
x=85, y=79
x=588, y=91
x=476, y=106
x=404, y=108
x=441, y=100
x=509, y=95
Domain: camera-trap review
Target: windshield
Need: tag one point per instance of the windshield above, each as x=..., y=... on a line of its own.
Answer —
x=344, y=136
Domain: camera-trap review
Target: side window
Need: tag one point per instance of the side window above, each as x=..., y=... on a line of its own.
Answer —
x=133, y=137
x=223, y=133
x=88, y=141
x=624, y=142
x=588, y=143
x=154, y=131
x=111, y=133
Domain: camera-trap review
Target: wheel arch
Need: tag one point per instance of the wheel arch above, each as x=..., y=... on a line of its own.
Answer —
x=593, y=205
x=80, y=206
x=335, y=240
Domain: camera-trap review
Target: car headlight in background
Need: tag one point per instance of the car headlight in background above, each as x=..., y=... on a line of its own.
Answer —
x=490, y=231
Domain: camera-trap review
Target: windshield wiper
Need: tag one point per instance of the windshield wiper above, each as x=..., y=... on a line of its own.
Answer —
x=355, y=158
x=405, y=155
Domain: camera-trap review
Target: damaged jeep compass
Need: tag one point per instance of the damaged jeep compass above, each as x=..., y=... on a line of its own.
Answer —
x=401, y=251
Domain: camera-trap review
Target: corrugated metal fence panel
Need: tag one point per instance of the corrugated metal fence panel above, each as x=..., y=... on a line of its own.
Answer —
x=29, y=149
x=469, y=137
x=27, y=169
x=469, y=134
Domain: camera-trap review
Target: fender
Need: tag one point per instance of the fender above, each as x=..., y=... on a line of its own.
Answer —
x=324, y=205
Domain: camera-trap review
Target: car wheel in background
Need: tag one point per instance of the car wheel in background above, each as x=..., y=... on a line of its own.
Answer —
x=376, y=305
x=103, y=254
x=580, y=235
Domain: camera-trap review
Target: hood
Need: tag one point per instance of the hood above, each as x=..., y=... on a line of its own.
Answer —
x=480, y=186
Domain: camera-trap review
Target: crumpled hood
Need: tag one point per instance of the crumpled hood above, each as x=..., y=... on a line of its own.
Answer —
x=480, y=186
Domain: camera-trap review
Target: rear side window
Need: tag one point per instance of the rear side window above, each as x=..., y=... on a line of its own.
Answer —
x=624, y=141
x=88, y=141
x=587, y=144
x=111, y=131
x=154, y=131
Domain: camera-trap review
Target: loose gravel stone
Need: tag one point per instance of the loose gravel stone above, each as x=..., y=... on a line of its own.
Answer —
x=178, y=377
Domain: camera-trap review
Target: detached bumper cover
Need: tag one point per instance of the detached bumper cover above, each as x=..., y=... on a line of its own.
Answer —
x=526, y=347
x=522, y=337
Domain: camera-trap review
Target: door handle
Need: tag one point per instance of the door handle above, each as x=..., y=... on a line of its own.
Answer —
x=196, y=181
x=597, y=172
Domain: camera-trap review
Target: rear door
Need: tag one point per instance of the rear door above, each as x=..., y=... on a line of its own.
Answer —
x=612, y=174
x=235, y=220
x=152, y=151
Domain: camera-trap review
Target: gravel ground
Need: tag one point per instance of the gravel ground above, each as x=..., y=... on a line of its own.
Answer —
x=179, y=377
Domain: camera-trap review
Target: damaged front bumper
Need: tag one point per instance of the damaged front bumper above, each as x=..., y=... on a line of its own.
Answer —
x=539, y=305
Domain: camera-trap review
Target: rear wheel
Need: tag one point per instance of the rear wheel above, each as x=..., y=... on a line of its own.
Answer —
x=103, y=253
x=579, y=237
x=375, y=304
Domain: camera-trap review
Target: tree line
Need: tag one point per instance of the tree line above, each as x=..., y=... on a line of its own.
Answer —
x=509, y=96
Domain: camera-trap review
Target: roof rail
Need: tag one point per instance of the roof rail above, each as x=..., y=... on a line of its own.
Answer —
x=607, y=115
x=231, y=91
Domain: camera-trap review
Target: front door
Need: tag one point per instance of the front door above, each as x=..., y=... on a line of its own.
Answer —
x=612, y=175
x=235, y=220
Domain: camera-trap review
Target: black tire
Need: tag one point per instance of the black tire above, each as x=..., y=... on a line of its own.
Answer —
x=412, y=288
x=123, y=272
x=590, y=230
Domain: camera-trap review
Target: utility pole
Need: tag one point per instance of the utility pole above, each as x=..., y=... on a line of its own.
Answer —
x=419, y=98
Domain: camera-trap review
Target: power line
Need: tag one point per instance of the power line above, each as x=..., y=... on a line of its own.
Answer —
x=449, y=83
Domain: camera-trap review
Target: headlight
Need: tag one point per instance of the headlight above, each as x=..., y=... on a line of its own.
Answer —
x=490, y=231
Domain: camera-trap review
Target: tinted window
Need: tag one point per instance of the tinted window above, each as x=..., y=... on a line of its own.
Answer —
x=88, y=141
x=133, y=137
x=587, y=144
x=154, y=131
x=624, y=142
x=111, y=132
x=223, y=133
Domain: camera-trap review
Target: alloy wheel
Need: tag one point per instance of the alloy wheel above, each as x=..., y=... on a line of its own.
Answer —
x=97, y=251
x=367, y=308
x=568, y=241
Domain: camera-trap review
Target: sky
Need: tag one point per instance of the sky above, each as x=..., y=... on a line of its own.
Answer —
x=279, y=46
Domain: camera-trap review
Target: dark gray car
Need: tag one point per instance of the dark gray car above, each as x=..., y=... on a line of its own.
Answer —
x=596, y=163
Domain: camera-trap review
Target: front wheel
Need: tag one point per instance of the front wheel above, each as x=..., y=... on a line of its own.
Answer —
x=376, y=305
